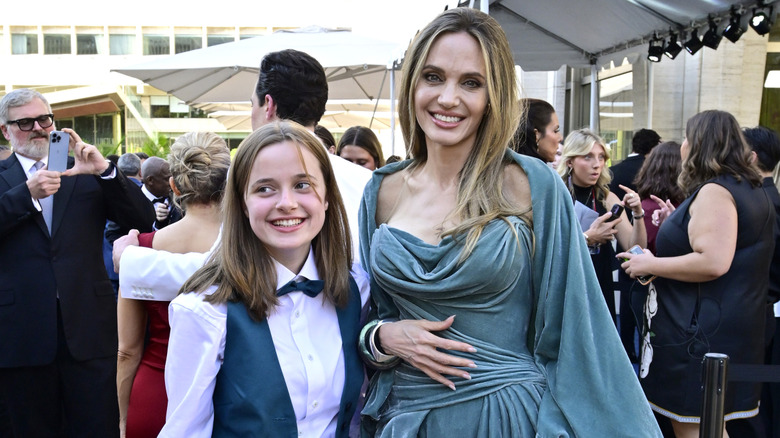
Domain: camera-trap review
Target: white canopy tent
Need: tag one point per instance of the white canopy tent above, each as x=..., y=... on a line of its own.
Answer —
x=594, y=33
x=357, y=67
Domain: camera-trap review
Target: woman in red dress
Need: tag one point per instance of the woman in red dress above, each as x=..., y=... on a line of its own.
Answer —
x=199, y=163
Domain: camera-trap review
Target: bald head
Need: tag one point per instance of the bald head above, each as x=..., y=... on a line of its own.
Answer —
x=156, y=173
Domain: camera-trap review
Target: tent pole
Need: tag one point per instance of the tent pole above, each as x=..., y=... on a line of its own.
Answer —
x=376, y=104
x=650, y=86
x=392, y=108
x=594, y=98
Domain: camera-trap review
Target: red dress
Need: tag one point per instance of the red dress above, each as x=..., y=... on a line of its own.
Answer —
x=148, y=401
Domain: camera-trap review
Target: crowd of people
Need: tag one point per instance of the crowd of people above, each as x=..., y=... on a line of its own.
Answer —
x=309, y=287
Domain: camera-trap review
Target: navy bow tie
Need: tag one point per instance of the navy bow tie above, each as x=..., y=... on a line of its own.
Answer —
x=311, y=288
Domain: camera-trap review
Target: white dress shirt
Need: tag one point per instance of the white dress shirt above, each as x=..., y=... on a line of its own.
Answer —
x=145, y=271
x=307, y=341
x=27, y=164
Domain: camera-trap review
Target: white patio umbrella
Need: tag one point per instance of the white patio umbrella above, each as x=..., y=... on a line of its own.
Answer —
x=357, y=67
x=339, y=114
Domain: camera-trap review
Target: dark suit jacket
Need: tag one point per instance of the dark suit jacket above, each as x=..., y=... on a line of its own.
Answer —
x=624, y=173
x=35, y=268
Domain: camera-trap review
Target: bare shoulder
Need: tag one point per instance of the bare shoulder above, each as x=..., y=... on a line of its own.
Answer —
x=183, y=237
x=516, y=186
x=387, y=196
x=166, y=239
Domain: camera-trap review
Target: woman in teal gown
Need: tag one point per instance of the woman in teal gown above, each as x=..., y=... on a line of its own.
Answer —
x=479, y=270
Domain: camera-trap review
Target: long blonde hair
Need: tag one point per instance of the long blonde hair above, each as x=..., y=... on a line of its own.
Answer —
x=241, y=266
x=577, y=144
x=480, y=198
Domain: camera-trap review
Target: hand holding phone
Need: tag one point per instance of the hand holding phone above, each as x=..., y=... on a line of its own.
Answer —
x=616, y=211
x=643, y=279
x=58, y=151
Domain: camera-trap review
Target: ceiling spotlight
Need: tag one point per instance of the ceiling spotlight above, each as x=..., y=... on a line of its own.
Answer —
x=655, y=50
x=761, y=22
x=734, y=30
x=711, y=38
x=673, y=48
x=694, y=43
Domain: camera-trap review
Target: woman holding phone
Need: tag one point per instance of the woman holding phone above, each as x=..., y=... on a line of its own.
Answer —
x=712, y=261
x=584, y=171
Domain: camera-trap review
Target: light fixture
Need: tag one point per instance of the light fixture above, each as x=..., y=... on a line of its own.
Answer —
x=694, y=43
x=734, y=30
x=711, y=38
x=761, y=22
x=656, y=49
x=673, y=48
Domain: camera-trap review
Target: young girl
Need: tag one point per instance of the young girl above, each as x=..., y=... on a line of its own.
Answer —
x=255, y=348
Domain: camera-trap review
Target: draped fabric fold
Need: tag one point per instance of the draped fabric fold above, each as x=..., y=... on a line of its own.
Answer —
x=549, y=361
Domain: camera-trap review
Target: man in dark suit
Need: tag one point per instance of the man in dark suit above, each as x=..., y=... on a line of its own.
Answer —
x=156, y=179
x=624, y=172
x=58, y=332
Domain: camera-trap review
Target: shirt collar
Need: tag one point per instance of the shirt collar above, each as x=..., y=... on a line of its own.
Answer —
x=148, y=194
x=27, y=163
x=308, y=271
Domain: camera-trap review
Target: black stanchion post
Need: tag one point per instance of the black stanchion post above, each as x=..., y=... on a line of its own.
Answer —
x=714, y=369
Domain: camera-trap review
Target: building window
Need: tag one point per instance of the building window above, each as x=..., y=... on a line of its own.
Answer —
x=214, y=40
x=121, y=44
x=185, y=43
x=157, y=45
x=56, y=44
x=160, y=107
x=24, y=44
x=89, y=44
x=616, y=114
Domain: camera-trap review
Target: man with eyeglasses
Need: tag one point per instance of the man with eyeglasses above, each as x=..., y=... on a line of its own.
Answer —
x=58, y=332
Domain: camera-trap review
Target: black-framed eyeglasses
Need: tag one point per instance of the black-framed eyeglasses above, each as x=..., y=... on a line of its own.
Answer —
x=27, y=123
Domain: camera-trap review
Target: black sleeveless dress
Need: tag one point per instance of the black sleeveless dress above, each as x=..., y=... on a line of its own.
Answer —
x=726, y=315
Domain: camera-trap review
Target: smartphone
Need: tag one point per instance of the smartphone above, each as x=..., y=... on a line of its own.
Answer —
x=58, y=151
x=644, y=279
x=616, y=211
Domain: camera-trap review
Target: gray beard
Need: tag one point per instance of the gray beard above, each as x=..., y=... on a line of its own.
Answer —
x=32, y=149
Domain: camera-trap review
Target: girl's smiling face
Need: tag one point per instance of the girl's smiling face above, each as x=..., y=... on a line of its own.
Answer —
x=285, y=201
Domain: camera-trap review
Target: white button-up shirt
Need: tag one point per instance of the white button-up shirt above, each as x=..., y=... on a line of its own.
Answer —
x=307, y=340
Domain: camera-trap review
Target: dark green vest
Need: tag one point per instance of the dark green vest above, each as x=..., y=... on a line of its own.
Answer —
x=250, y=396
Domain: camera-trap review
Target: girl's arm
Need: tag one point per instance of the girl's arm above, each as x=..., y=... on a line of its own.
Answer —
x=712, y=234
x=131, y=324
x=629, y=235
x=195, y=351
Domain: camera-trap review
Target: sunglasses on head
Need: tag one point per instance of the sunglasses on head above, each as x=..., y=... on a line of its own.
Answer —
x=27, y=123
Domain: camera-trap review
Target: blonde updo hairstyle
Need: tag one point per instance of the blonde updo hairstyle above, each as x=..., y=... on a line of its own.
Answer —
x=199, y=163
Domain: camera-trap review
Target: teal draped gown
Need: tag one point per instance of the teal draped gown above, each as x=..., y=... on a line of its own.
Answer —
x=550, y=363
